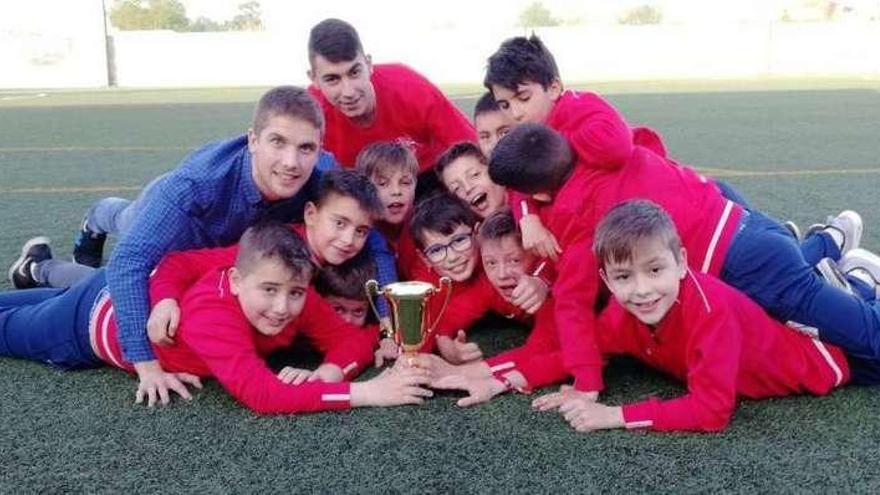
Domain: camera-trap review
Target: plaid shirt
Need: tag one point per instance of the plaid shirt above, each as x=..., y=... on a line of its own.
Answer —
x=208, y=201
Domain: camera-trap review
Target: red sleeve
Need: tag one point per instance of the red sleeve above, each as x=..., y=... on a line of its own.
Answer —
x=343, y=344
x=574, y=298
x=178, y=271
x=466, y=305
x=444, y=124
x=218, y=333
x=596, y=131
x=649, y=138
x=713, y=357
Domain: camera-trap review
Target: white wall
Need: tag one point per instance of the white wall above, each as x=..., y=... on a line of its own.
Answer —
x=66, y=49
x=52, y=43
x=447, y=55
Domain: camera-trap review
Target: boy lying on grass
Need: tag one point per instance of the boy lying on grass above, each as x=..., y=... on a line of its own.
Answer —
x=230, y=320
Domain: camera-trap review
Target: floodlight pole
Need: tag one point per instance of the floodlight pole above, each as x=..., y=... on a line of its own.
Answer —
x=110, y=52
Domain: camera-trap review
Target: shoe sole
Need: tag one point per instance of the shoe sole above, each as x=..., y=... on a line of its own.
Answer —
x=833, y=276
x=861, y=259
x=24, y=249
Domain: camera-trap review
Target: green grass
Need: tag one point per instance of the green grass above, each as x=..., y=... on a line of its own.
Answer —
x=796, y=154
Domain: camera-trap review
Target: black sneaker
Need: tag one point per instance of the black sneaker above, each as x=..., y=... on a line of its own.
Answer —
x=21, y=272
x=88, y=249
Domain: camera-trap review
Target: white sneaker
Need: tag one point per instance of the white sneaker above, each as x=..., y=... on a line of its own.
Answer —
x=846, y=230
x=833, y=275
x=863, y=265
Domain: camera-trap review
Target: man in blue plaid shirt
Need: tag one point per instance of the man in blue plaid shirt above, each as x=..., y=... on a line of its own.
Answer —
x=208, y=201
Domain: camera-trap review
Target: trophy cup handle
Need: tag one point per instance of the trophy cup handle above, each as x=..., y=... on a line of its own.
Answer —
x=445, y=283
x=372, y=289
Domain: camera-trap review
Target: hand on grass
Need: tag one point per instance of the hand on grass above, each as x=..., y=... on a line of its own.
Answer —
x=163, y=322
x=537, y=239
x=589, y=415
x=458, y=350
x=293, y=376
x=327, y=373
x=479, y=389
x=155, y=383
x=556, y=399
x=402, y=384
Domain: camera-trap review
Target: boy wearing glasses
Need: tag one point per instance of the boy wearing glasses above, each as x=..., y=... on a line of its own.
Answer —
x=443, y=228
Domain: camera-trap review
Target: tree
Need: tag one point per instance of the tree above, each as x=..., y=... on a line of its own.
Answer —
x=157, y=14
x=646, y=14
x=536, y=15
x=247, y=19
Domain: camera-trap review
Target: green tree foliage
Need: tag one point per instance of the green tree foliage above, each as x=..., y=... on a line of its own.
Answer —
x=639, y=16
x=536, y=15
x=171, y=14
x=154, y=14
x=248, y=18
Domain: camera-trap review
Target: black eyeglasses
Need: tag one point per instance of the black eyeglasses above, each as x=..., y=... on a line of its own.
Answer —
x=459, y=243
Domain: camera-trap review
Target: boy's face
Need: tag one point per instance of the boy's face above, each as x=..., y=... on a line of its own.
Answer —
x=283, y=156
x=347, y=86
x=337, y=230
x=269, y=295
x=492, y=126
x=353, y=311
x=469, y=179
x=453, y=255
x=397, y=191
x=647, y=286
x=529, y=103
x=505, y=263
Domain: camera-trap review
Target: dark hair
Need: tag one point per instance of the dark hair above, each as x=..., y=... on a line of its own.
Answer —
x=499, y=225
x=486, y=104
x=519, y=60
x=346, y=280
x=532, y=158
x=456, y=151
x=441, y=213
x=351, y=184
x=335, y=40
x=273, y=240
x=629, y=223
x=381, y=156
x=290, y=101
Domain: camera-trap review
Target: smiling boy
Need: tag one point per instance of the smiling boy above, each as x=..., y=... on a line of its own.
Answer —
x=233, y=317
x=366, y=103
x=697, y=329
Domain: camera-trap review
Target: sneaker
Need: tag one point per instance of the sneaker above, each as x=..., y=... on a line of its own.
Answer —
x=832, y=274
x=863, y=265
x=793, y=228
x=21, y=272
x=846, y=230
x=88, y=249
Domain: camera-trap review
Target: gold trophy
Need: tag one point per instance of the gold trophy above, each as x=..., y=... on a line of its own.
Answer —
x=410, y=315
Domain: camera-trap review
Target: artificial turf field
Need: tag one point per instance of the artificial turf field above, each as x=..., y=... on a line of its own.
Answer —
x=798, y=154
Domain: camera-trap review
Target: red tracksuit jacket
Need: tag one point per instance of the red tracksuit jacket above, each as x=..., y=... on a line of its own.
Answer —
x=408, y=107
x=722, y=344
x=215, y=339
x=610, y=170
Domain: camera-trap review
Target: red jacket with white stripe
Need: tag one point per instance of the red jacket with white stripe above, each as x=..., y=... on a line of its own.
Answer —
x=539, y=359
x=722, y=344
x=610, y=170
x=408, y=108
x=214, y=338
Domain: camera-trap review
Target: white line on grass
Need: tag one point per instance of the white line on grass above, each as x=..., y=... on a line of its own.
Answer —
x=23, y=97
x=31, y=149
